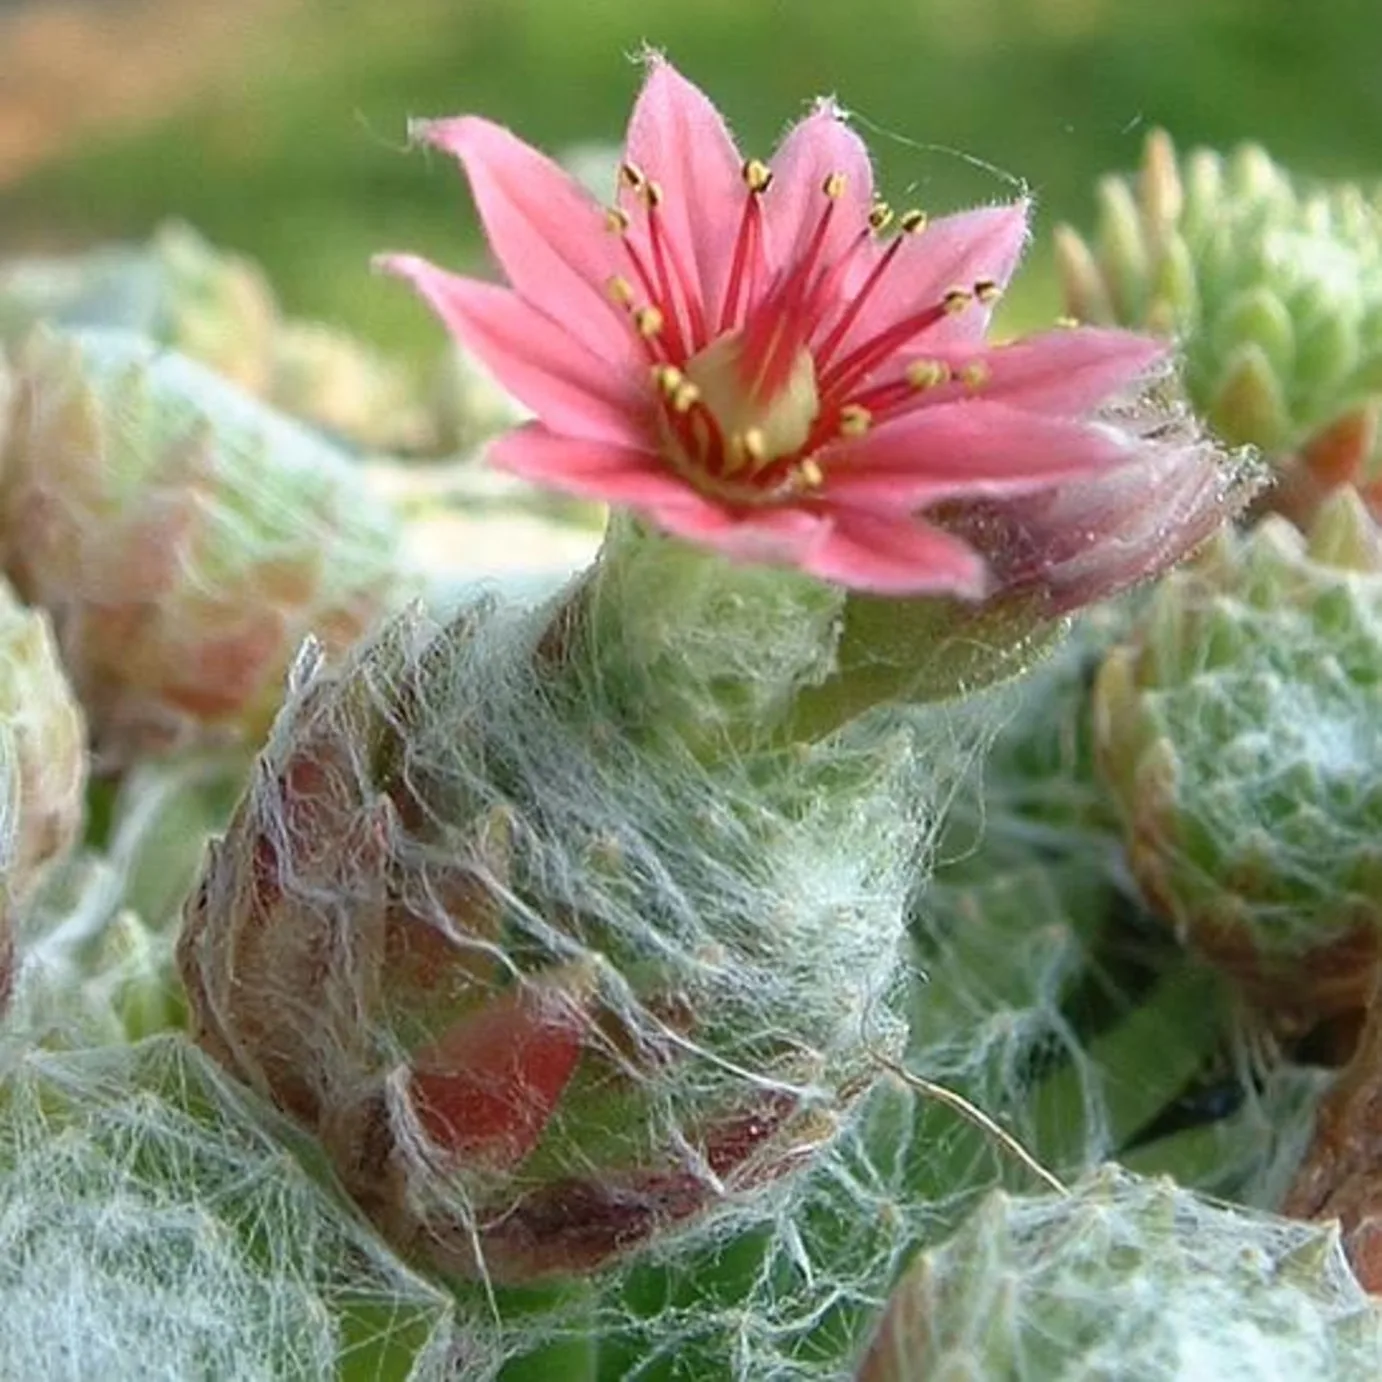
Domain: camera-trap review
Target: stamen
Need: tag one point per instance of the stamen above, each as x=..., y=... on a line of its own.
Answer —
x=854, y=420
x=648, y=322
x=757, y=175
x=651, y=192
x=616, y=220
x=619, y=290
x=668, y=379
x=928, y=374
x=912, y=222
x=880, y=216
x=1068, y=323
x=834, y=186
x=956, y=300
x=975, y=374
x=810, y=473
x=755, y=448
x=631, y=175
x=842, y=377
x=685, y=397
x=987, y=291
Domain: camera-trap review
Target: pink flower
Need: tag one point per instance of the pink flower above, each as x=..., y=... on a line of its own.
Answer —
x=742, y=353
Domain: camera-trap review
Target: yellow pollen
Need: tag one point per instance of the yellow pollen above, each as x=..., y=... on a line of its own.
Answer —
x=854, y=420
x=631, y=175
x=811, y=474
x=834, y=186
x=651, y=192
x=1067, y=323
x=928, y=374
x=880, y=214
x=685, y=397
x=986, y=290
x=755, y=448
x=975, y=374
x=620, y=291
x=912, y=222
x=648, y=321
x=616, y=220
x=956, y=300
x=757, y=175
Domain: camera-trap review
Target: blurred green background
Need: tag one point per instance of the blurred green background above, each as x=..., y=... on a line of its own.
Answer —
x=291, y=145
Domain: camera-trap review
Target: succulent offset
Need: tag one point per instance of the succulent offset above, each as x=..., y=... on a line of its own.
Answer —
x=182, y=538
x=1273, y=289
x=1237, y=730
x=1127, y=1278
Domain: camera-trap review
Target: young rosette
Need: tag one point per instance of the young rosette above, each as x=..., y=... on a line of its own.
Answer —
x=547, y=988
x=1237, y=731
x=1274, y=291
x=746, y=355
x=1129, y=1278
x=182, y=537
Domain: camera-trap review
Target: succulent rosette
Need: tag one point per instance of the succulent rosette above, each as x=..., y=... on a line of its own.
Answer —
x=1126, y=1277
x=1237, y=733
x=182, y=538
x=1273, y=289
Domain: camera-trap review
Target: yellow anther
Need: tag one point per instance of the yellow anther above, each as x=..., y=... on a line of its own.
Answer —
x=620, y=291
x=668, y=379
x=854, y=420
x=616, y=220
x=651, y=192
x=975, y=374
x=810, y=474
x=912, y=222
x=834, y=186
x=928, y=374
x=880, y=215
x=631, y=175
x=757, y=175
x=755, y=447
x=648, y=321
x=986, y=290
x=685, y=397
x=1067, y=323
x=956, y=300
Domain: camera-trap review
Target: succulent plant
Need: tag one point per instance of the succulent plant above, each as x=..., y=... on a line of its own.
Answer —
x=1273, y=288
x=1237, y=733
x=1126, y=1277
x=546, y=989
x=203, y=302
x=157, y=1222
x=182, y=537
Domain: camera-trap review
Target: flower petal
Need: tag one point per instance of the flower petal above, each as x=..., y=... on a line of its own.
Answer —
x=815, y=148
x=895, y=555
x=952, y=252
x=966, y=448
x=546, y=231
x=781, y=536
x=677, y=138
x=568, y=387
x=1063, y=373
x=579, y=465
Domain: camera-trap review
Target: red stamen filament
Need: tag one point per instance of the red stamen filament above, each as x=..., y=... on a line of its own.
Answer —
x=748, y=248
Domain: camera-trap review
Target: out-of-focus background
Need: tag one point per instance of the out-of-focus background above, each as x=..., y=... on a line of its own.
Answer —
x=277, y=127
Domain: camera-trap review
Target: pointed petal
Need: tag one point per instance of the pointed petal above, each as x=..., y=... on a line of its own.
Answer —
x=815, y=148
x=677, y=138
x=772, y=536
x=952, y=252
x=1066, y=372
x=531, y=355
x=579, y=465
x=895, y=555
x=547, y=233
x=961, y=449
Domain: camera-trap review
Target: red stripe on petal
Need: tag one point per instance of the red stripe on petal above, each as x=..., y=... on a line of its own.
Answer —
x=599, y=470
